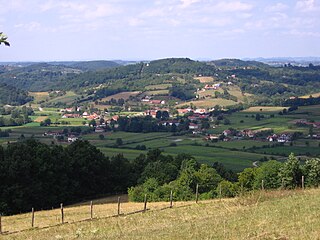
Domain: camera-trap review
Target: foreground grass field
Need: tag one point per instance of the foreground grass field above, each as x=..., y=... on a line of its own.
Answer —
x=261, y=215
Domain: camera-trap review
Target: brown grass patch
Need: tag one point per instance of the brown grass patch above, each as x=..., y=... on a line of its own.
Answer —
x=205, y=79
x=124, y=95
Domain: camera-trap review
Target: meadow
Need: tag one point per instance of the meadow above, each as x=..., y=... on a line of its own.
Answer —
x=260, y=215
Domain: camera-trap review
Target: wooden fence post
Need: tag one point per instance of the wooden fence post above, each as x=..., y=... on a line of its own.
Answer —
x=282, y=183
x=91, y=209
x=302, y=182
x=171, y=199
x=197, y=193
x=0, y=225
x=262, y=185
x=32, y=217
x=62, y=214
x=220, y=191
x=145, y=203
x=119, y=202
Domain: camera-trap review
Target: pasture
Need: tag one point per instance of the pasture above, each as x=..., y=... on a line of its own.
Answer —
x=124, y=95
x=205, y=79
x=260, y=215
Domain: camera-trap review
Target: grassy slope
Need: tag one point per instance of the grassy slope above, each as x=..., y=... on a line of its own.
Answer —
x=270, y=215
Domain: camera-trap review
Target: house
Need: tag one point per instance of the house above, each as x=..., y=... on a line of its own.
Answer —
x=71, y=115
x=210, y=87
x=85, y=114
x=284, y=137
x=115, y=118
x=69, y=110
x=93, y=116
x=155, y=101
x=152, y=113
x=170, y=123
x=201, y=111
x=72, y=138
x=272, y=138
x=193, y=126
x=212, y=137
x=248, y=133
x=99, y=130
x=227, y=132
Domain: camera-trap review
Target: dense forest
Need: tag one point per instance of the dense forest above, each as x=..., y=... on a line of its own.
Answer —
x=13, y=96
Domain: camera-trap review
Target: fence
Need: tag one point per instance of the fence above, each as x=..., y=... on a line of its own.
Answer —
x=90, y=212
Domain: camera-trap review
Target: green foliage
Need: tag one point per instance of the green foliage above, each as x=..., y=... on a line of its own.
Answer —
x=312, y=172
x=3, y=39
x=13, y=96
x=269, y=173
x=291, y=172
x=227, y=189
x=247, y=178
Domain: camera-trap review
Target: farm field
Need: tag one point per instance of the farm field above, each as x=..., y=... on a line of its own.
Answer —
x=124, y=95
x=262, y=215
x=209, y=103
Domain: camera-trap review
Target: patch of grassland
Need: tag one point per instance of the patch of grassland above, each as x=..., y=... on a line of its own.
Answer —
x=264, y=109
x=158, y=86
x=205, y=79
x=262, y=215
x=39, y=96
x=157, y=92
x=124, y=95
x=209, y=103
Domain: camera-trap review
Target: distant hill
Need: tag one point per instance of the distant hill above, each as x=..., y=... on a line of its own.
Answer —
x=237, y=63
x=94, y=65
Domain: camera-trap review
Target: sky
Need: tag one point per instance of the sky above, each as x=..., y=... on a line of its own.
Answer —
x=56, y=30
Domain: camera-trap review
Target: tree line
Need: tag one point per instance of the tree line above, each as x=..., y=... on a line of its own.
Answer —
x=160, y=177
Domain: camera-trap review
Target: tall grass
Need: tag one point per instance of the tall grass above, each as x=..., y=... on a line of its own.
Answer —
x=258, y=215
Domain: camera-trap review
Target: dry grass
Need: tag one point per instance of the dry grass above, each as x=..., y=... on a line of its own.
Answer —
x=40, y=119
x=205, y=79
x=159, y=86
x=315, y=95
x=39, y=96
x=264, y=109
x=260, y=215
x=157, y=92
x=124, y=95
x=209, y=103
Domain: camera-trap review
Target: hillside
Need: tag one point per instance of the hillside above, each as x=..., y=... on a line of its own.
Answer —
x=12, y=96
x=262, y=215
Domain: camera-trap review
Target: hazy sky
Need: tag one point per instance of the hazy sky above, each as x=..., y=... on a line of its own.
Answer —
x=152, y=29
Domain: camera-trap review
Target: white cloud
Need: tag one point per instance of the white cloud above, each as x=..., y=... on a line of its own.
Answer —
x=31, y=26
x=307, y=5
x=187, y=3
x=298, y=33
x=278, y=7
x=234, y=6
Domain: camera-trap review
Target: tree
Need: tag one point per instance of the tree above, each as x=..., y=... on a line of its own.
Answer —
x=312, y=172
x=119, y=141
x=269, y=173
x=247, y=178
x=291, y=172
x=3, y=39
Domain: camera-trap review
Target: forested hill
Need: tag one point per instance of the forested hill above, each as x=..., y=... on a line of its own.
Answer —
x=252, y=76
x=238, y=63
x=12, y=96
x=94, y=65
